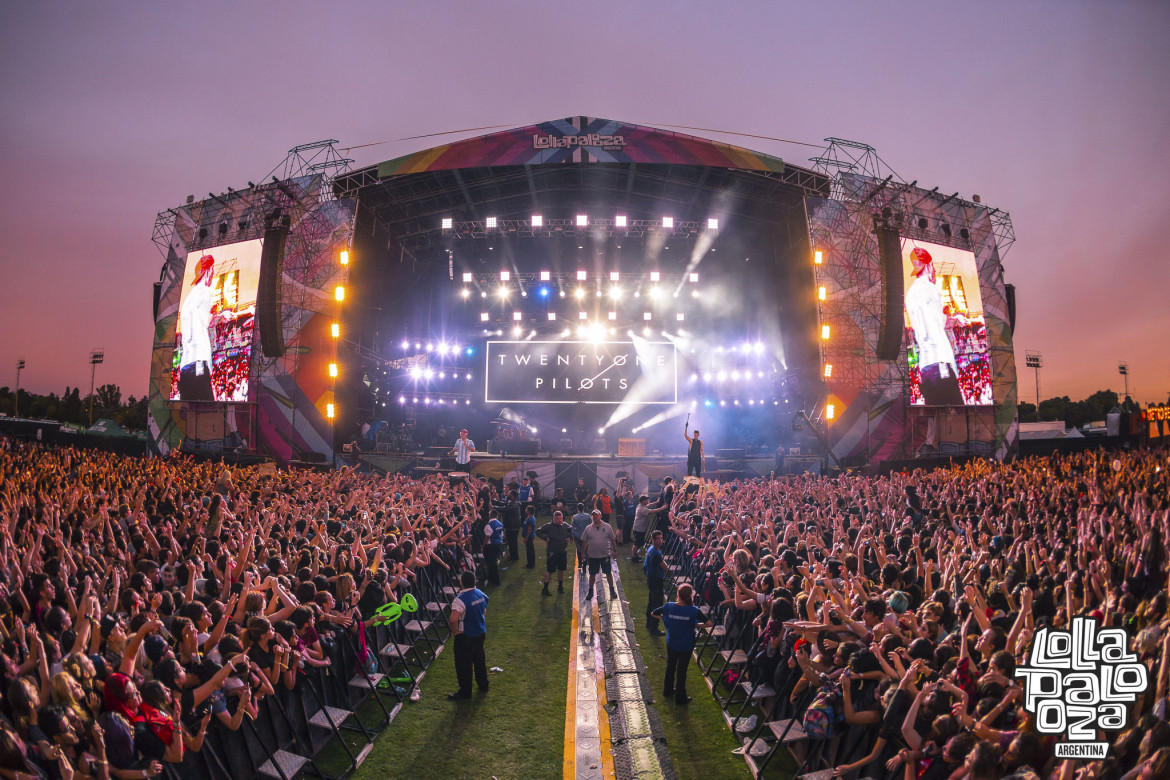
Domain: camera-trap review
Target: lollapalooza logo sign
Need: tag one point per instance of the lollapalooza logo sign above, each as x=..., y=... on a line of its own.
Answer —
x=1079, y=681
x=549, y=141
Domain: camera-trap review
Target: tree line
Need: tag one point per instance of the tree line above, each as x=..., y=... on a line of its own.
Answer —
x=72, y=407
x=1076, y=413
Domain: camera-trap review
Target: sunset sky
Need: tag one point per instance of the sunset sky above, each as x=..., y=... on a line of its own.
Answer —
x=1057, y=112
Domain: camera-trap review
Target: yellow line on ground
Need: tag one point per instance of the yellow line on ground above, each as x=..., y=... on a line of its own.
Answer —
x=607, y=769
x=570, y=759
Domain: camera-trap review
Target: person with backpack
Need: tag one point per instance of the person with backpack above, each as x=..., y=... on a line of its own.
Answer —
x=655, y=569
x=681, y=618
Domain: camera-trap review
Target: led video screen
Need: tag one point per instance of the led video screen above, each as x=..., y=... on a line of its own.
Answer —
x=214, y=333
x=947, y=335
x=571, y=372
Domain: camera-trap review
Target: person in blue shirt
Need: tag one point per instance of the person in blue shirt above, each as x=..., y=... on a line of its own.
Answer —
x=528, y=534
x=655, y=568
x=580, y=522
x=468, y=621
x=494, y=534
x=681, y=619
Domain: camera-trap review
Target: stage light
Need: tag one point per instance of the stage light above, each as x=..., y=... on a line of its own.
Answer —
x=582, y=331
x=668, y=222
x=582, y=220
x=537, y=220
x=442, y=375
x=561, y=294
x=454, y=349
x=736, y=402
x=601, y=431
x=401, y=399
x=483, y=293
x=582, y=315
x=655, y=293
x=545, y=276
x=828, y=370
x=818, y=257
x=751, y=402
x=448, y=223
x=516, y=331
x=614, y=276
x=489, y=223
x=825, y=332
x=712, y=223
x=598, y=293
x=516, y=316
x=468, y=377
x=830, y=411
x=414, y=400
x=344, y=257
x=694, y=377
x=333, y=370
x=615, y=293
x=646, y=331
x=469, y=351
x=505, y=276
x=758, y=347
x=440, y=401
x=406, y=345
x=619, y=221
x=339, y=293
x=543, y=292
x=417, y=345
x=502, y=292
x=430, y=347
x=579, y=293
x=467, y=402
x=647, y=316
x=582, y=276
x=429, y=373
x=468, y=278
x=552, y=316
x=735, y=375
x=694, y=293
x=759, y=375
x=706, y=376
x=721, y=376
x=483, y=316
x=655, y=276
x=426, y=400
x=329, y=411
x=722, y=402
x=821, y=294
x=335, y=330
x=612, y=315
x=680, y=317
x=693, y=277
x=747, y=347
x=465, y=293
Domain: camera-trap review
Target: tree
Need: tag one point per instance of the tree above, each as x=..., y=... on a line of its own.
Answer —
x=109, y=396
x=1026, y=411
x=1054, y=408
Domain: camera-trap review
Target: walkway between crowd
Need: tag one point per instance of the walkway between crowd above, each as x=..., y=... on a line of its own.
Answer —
x=611, y=729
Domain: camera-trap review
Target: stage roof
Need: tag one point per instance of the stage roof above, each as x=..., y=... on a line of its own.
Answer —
x=575, y=163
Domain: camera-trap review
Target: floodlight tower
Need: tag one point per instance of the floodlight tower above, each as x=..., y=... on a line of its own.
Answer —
x=95, y=359
x=19, y=368
x=1034, y=360
x=1123, y=369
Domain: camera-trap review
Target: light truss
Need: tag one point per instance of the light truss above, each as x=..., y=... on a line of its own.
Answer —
x=556, y=228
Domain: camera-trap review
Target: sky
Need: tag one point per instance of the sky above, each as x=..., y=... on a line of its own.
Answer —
x=1057, y=112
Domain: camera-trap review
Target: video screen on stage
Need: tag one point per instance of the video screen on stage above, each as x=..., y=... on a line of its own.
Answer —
x=570, y=372
x=947, y=335
x=214, y=332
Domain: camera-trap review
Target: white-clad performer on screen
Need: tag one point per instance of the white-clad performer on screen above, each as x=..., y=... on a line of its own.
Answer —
x=195, y=335
x=463, y=448
x=936, y=358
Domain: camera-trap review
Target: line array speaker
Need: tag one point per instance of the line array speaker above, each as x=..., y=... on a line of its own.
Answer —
x=893, y=294
x=268, y=294
x=1010, y=294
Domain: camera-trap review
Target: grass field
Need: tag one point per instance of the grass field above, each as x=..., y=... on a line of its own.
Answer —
x=516, y=730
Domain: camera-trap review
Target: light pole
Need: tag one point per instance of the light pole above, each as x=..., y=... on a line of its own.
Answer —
x=1123, y=369
x=1033, y=359
x=19, y=368
x=95, y=358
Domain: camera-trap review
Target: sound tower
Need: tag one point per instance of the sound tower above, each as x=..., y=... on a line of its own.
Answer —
x=893, y=295
x=268, y=293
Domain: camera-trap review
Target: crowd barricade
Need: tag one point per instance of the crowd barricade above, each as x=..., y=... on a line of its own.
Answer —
x=314, y=726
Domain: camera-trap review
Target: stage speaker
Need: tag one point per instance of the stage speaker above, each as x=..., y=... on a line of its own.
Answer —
x=157, y=296
x=1010, y=294
x=268, y=293
x=893, y=295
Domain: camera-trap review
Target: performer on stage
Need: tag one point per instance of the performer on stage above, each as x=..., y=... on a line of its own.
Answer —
x=195, y=335
x=463, y=449
x=695, y=455
x=938, y=372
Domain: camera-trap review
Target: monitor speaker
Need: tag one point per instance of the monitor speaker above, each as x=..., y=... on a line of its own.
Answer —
x=893, y=295
x=268, y=293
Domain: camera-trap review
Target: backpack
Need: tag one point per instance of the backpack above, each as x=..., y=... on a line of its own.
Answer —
x=825, y=714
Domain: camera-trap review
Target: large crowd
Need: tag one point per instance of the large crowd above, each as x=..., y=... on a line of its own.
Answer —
x=146, y=601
